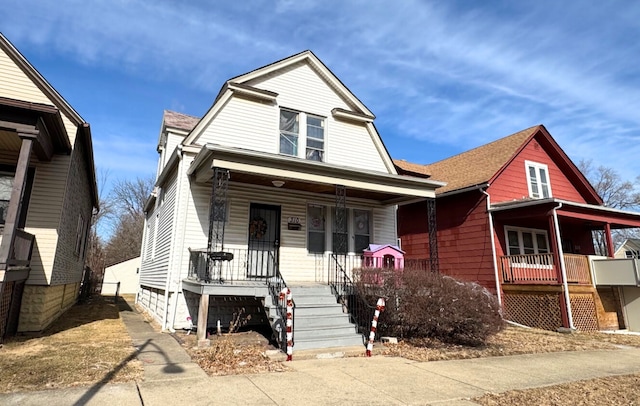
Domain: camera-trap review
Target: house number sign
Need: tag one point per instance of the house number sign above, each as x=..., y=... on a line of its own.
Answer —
x=293, y=223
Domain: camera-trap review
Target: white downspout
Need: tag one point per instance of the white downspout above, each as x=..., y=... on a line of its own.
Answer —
x=563, y=269
x=493, y=247
x=179, y=262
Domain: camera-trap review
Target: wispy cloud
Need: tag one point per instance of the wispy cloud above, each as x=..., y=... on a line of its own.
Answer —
x=439, y=76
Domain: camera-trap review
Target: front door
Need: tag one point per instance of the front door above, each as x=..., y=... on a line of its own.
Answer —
x=264, y=240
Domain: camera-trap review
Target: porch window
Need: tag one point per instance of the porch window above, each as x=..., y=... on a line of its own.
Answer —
x=523, y=241
x=6, y=184
x=361, y=229
x=289, y=130
x=538, y=180
x=316, y=229
x=315, y=138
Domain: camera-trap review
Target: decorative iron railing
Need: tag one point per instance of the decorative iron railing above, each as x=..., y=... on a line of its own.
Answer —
x=235, y=264
x=360, y=312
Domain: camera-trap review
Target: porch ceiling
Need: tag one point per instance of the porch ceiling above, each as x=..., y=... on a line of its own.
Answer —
x=592, y=216
x=257, y=168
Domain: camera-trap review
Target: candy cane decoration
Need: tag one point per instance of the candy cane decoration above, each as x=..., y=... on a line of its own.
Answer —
x=374, y=325
x=285, y=292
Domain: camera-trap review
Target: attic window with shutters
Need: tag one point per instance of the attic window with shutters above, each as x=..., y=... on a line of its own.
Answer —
x=538, y=180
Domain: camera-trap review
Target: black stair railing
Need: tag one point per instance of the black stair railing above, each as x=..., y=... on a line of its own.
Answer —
x=346, y=292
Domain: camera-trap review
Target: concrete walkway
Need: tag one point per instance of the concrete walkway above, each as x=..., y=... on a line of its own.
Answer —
x=170, y=377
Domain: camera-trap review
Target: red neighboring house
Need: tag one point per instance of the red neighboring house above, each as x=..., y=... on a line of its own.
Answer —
x=517, y=217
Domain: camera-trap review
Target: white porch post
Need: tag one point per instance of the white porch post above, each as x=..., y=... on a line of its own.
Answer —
x=563, y=269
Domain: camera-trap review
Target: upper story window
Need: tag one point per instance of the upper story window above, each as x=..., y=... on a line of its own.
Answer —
x=302, y=133
x=315, y=138
x=538, y=180
x=289, y=130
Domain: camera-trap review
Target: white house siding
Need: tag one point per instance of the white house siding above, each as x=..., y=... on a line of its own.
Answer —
x=244, y=123
x=126, y=273
x=296, y=264
x=172, y=142
x=153, y=272
x=254, y=125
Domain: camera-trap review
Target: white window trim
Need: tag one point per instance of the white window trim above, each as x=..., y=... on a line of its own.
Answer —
x=537, y=166
x=534, y=231
x=329, y=220
x=519, y=230
x=302, y=133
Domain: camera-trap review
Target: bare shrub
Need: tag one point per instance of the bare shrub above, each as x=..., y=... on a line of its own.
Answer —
x=424, y=304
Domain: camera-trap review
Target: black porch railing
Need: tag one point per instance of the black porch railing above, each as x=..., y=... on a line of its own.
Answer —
x=238, y=265
x=346, y=292
x=244, y=265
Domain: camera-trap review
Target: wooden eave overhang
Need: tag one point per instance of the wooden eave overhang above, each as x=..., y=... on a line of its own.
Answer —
x=593, y=214
x=261, y=168
x=351, y=115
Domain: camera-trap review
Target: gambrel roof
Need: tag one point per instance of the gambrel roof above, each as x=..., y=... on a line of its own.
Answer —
x=248, y=85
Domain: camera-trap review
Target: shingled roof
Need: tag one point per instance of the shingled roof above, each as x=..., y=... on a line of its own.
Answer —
x=409, y=168
x=179, y=120
x=474, y=167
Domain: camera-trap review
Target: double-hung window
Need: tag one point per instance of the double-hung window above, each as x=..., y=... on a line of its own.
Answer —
x=538, y=180
x=524, y=241
x=315, y=138
x=289, y=131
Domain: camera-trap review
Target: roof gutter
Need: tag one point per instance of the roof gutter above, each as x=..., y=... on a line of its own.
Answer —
x=563, y=269
x=464, y=190
x=493, y=247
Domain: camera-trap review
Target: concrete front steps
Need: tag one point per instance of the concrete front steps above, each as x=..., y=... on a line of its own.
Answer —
x=319, y=321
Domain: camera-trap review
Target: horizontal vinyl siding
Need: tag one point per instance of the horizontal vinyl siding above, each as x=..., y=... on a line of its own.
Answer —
x=43, y=218
x=295, y=263
x=14, y=84
x=254, y=125
x=154, y=267
x=243, y=123
x=172, y=142
x=512, y=182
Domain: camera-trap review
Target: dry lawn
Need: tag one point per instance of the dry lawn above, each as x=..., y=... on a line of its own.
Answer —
x=88, y=344
x=510, y=341
x=233, y=354
x=614, y=391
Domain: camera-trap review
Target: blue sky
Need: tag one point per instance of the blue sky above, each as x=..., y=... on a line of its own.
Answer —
x=441, y=77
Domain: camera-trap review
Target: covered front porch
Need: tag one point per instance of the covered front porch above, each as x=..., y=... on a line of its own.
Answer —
x=545, y=255
x=276, y=221
x=29, y=133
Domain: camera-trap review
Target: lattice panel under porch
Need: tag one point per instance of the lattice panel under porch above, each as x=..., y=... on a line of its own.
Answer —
x=5, y=302
x=583, y=308
x=533, y=310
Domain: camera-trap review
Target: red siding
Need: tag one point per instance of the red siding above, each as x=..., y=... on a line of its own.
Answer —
x=464, y=244
x=512, y=182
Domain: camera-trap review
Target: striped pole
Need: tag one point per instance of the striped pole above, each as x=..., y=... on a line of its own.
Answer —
x=374, y=325
x=286, y=293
